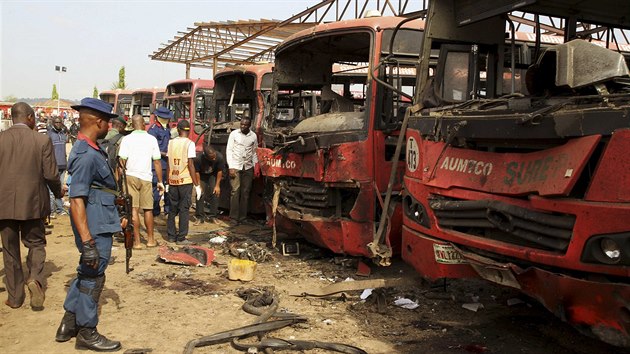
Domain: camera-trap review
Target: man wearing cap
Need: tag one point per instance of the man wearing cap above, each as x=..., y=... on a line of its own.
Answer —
x=28, y=170
x=118, y=128
x=111, y=142
x=94, y=219
x=59, y=138
x=181, y=177
x=161, y=132
x=138, y=152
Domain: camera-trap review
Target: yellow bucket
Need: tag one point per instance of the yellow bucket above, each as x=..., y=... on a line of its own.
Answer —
x=241, y=269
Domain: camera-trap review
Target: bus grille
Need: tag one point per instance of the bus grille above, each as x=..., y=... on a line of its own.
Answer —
x=505, y=222
x=316, y=198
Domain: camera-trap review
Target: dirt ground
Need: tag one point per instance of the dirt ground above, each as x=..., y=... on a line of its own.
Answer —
x=162, y=306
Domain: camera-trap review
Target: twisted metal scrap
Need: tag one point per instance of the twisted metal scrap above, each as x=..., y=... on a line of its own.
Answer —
x=255, y=299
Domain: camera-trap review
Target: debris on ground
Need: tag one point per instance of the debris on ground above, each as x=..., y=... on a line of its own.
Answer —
x=515, y=301
x=291, y=248
x=345, y=262
x=353, y=285
x=187, y=255
x=363, y=270
x=217, y=240
x=138, y=351
x=257, y=252
x=189, y=286
x=255, y=300
x=406, y=303
x=473, y=306
x=241, y=269
x=365, y=294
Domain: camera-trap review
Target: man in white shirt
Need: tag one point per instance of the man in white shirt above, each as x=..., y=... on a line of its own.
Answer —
x=137, y=150
x=242, y=162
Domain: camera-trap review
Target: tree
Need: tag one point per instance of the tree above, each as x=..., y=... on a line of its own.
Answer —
x=55, y=95
x=10, y=98
x=121, y=80
x=95, y=93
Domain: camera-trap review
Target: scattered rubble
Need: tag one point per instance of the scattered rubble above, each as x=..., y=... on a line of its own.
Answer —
x=187, y=255
x=406, y=303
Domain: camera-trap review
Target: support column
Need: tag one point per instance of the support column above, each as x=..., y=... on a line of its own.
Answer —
x=188, y=70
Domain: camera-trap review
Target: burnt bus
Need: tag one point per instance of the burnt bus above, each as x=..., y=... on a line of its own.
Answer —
x=528, y=185
x=240, y=91
x=331, y=133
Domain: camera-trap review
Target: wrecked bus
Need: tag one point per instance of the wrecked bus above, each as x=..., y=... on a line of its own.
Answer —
x=240, y=91
x=145, y=102
x=190, y=99
x=120, y=99
x=526, y=186
x=327, y=162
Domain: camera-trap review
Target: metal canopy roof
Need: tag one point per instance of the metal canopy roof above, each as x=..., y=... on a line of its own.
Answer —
x=230, y=42
x=215, y=44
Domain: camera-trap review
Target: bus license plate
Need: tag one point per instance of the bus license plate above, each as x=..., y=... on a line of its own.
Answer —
x=447, y=254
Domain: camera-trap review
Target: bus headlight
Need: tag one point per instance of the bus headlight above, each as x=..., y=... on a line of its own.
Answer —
x=611, y=249
x=415, y=210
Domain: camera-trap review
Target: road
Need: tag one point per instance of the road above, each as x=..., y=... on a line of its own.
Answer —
x=162, y=306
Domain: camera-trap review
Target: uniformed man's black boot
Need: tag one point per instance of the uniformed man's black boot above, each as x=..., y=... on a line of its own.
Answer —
x=89, y=338
x=67, y=328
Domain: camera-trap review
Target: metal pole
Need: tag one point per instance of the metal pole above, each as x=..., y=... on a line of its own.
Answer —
x=58, y=92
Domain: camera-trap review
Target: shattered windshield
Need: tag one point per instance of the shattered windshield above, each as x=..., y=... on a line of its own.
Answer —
x=234, y=97
x=325, y=78
x=180, y=108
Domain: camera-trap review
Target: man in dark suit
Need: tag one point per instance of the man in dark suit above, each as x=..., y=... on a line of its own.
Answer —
x=29, y=168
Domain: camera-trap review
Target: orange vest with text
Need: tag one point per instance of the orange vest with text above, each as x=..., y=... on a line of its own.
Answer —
x=178, y=173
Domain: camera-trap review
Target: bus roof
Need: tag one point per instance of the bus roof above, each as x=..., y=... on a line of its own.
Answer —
x=116, y=92
x=257, y=69
x=152, y=90
x=374, y=23
x=200, y=82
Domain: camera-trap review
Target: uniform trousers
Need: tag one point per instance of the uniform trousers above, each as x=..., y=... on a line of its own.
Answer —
x=85, y=290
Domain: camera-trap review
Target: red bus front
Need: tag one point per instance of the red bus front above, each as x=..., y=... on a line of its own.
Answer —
x=190, y=99
x=525, y=186
x=330, y=137
x=145, y=102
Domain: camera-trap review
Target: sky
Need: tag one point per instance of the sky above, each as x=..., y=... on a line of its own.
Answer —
x=93, y=39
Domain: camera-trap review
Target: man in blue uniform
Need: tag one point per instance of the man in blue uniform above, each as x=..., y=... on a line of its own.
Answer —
x=94, y=219
x=162, y=133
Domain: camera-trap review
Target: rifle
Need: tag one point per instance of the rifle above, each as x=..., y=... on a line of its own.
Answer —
x=123, y=201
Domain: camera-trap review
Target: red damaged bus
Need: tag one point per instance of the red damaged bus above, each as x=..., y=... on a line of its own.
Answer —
x=190, y=99
x=240, y=91
x=120, y=99
x=331, y=133
x=525, y=185
x=145, y=102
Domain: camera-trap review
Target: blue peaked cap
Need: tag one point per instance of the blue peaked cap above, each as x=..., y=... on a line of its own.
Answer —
x=163, y=112
x=97, y=105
